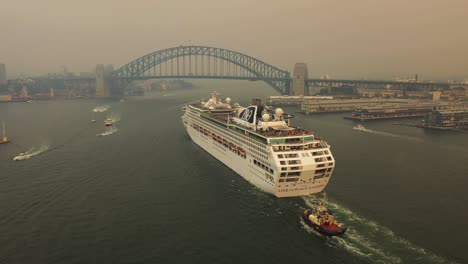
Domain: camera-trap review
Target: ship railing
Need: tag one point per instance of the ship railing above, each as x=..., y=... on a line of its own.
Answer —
x=305, y=146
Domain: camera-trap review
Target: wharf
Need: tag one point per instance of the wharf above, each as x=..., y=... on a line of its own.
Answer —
x=392, y=111
x=346, y=105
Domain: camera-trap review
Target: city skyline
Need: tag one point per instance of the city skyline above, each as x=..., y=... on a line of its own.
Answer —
x=363, y=39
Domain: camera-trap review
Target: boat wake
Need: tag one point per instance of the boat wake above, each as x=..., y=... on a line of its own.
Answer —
x=389, y=134
x=115, y=117
x=109, y=131
x=33, y=152
x=101, y=108
x=371, y=241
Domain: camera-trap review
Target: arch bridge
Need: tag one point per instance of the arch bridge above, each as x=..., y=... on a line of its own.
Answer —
x=201, y=62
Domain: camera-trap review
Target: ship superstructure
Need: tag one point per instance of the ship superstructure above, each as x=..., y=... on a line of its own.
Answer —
x=260, y=145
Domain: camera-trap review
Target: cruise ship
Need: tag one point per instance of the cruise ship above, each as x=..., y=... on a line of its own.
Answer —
x=260, y=145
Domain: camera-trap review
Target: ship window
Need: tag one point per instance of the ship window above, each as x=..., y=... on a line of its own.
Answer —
x=282, y=162
x=284, y=168
x=326, y=152
x=296, y=173
x=320, y=171
x=283, y=174
x=320, y=165
x=292, y=180
x=329, y=169
x=318, y=177
x=329, y=158
x=330, y=164
x=281, y=180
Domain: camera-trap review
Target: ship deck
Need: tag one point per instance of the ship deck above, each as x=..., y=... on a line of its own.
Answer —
x=224, y=118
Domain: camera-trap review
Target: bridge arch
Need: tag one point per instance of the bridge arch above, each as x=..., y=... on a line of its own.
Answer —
x=247, y=67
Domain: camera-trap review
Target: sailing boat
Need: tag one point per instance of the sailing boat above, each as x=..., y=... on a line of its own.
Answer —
x=4, y=139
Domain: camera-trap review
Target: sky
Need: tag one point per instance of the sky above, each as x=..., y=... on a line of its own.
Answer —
x=373, y=39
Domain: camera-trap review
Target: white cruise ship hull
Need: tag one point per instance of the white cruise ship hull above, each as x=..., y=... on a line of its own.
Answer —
x=262, y=165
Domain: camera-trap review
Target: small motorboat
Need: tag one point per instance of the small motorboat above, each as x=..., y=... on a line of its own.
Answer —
x=323, y=221
x=108, y=122
x=21, y=156
x=359, y=127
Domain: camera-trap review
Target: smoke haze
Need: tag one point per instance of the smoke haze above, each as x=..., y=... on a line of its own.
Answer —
x=345, y=39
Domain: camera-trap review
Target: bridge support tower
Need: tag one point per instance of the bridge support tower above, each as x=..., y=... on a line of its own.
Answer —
x=300, y=75
x=103, y=80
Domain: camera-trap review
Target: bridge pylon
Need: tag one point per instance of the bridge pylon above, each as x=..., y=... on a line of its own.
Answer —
x=300, y=75
x=103, y=80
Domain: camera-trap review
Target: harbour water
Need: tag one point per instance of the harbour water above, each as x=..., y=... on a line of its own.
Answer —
x=147, y=194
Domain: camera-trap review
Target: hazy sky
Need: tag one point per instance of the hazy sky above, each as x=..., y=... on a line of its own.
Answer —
x=345, y=39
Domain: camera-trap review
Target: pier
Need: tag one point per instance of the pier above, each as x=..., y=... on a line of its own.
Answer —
x=391, y=111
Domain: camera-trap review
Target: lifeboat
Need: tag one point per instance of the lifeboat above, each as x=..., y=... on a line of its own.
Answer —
x=323, y=221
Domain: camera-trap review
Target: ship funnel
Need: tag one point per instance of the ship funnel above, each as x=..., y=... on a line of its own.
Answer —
x=256, y=102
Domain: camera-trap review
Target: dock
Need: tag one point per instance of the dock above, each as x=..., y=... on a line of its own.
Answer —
x=391, y=111
x=345, y=105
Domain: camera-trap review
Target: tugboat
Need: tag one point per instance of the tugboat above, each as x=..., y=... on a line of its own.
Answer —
x=4, y=139
x=323, y=221
x=108, y=122
x=359, y=127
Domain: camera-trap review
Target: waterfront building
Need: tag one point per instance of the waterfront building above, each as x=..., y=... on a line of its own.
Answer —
x=447, y=119
x=294, y=100
x=343, y=105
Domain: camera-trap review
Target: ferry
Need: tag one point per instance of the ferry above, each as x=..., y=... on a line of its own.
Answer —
x=4, y=138
x=108, y=122
x=261, y=145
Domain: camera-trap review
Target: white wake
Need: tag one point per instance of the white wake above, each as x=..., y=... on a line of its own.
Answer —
x=371, y=241
x=101, y=108
x=35, y=151
x=366, y=130
x=109, y=131
x=115, y=117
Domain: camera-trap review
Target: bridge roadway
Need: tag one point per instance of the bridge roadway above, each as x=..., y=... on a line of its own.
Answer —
x=203, y=62
x=331, y=83
x=345, y=83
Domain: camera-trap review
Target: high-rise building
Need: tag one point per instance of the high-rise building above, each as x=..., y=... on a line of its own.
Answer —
x=300, y=74
x=3, y=78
